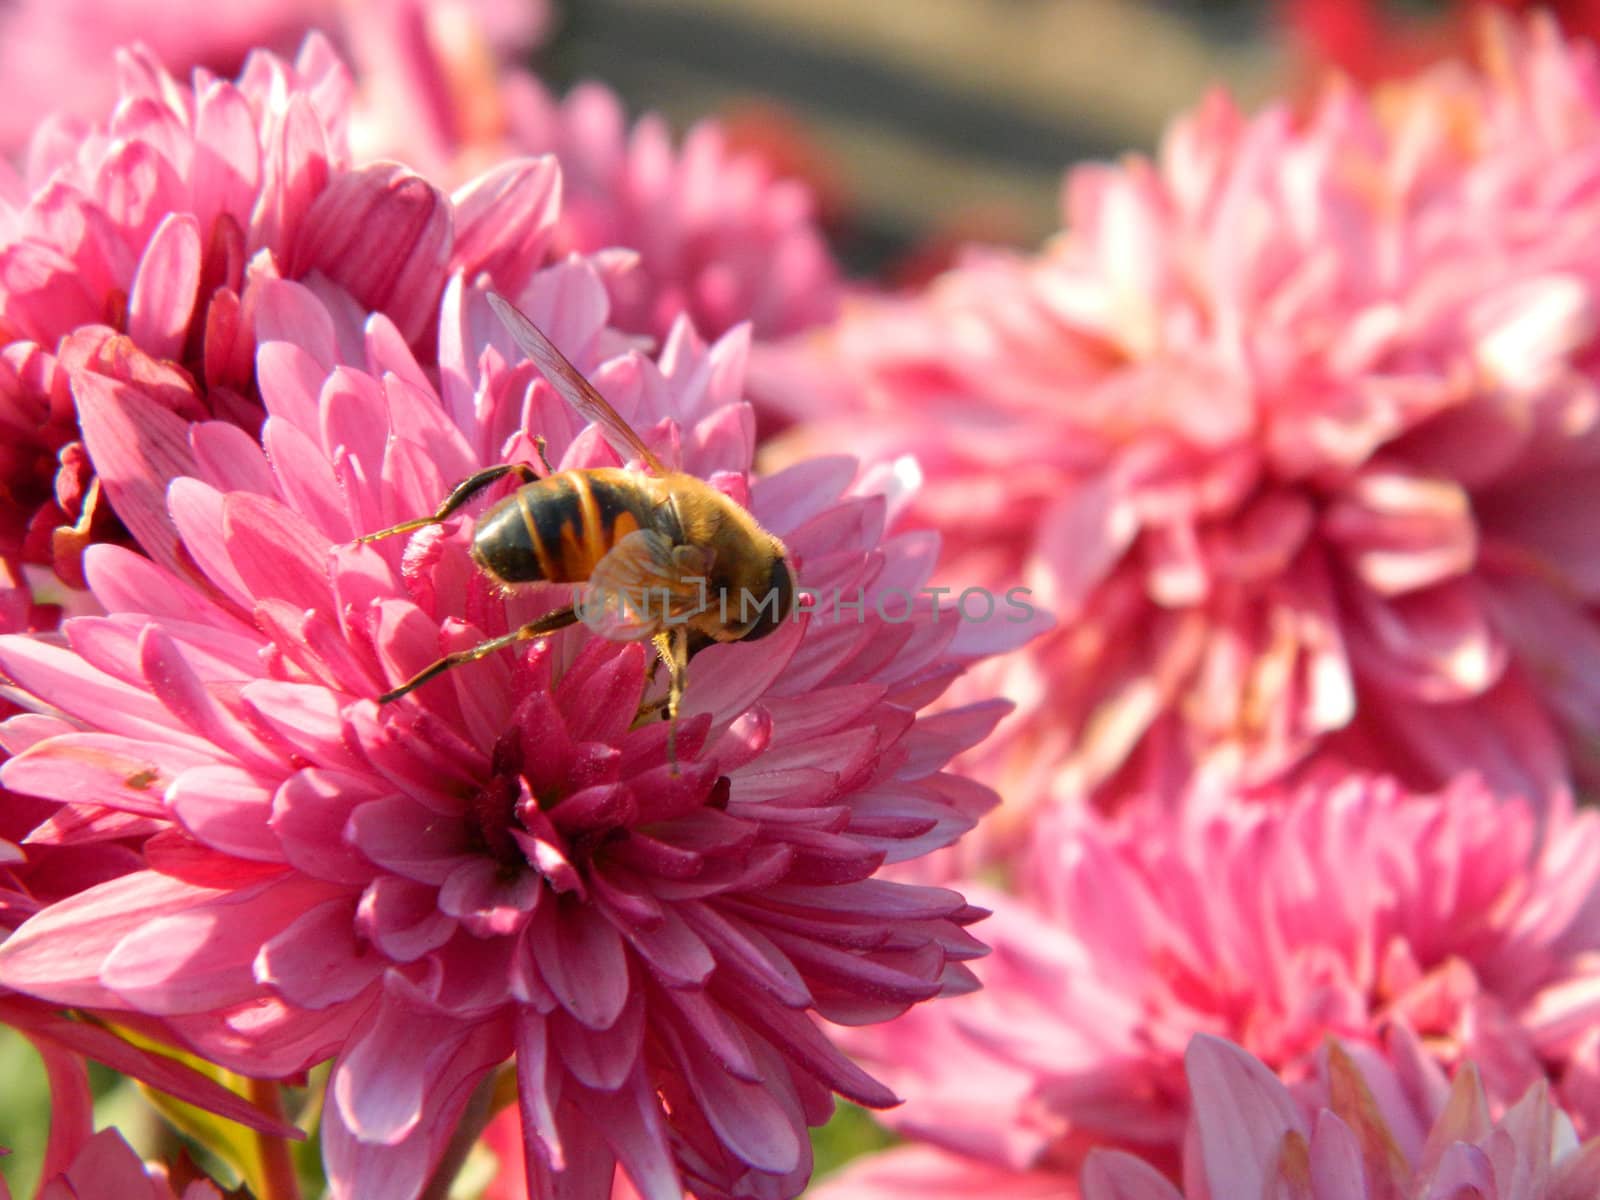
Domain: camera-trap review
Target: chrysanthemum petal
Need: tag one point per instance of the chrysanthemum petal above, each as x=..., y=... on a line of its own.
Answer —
x=162, y=300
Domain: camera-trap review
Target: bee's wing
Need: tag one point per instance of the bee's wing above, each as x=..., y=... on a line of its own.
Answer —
x=567, y=380
x=641, y=586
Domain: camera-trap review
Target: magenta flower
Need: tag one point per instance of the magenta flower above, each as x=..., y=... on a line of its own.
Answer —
x=135, y=252
x=1336, y=909
x=146, y=226
x=1295, y=431
x=505, y=862
x=1366, y=1129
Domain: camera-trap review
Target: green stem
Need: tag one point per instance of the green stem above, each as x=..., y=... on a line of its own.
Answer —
x=469, y=1129
x=278, y=1178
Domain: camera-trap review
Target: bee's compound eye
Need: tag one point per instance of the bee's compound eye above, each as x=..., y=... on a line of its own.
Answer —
x=774, y=607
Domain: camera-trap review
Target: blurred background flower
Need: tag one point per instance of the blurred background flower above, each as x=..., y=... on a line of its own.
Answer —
x=1291, y=427
x=1336, y=909
x=1373, y=40
x=1362, y=1127
x=60, y=57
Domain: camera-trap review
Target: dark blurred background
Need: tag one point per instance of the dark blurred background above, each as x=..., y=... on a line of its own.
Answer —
x=923, y=121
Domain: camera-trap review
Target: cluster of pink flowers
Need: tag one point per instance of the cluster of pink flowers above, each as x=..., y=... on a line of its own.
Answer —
x=1343, y=908
x=1280, y=867
x=1361, y=1126
x=1294, y=429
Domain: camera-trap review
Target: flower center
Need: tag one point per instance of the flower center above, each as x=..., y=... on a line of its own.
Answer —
x=490, y=815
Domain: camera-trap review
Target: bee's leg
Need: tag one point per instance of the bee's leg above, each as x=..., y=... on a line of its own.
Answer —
x=674, y=651
x=547, y=624
x=649, y=711
x=459, y=495
x=539, y=445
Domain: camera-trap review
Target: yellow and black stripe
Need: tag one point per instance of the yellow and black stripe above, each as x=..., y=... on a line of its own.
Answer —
x=558, y=529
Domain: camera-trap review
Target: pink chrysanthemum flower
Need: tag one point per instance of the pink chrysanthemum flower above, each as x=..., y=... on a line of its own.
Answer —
x=505, y=862
x=1336, y=909
x=1294, y=429
x=1365, y=1129
x=146, y=227
x=133, y=252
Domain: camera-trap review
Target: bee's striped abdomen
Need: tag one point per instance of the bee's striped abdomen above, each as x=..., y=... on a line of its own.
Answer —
x=558, y=529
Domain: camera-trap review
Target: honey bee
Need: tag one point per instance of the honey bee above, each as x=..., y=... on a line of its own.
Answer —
x=662, y=555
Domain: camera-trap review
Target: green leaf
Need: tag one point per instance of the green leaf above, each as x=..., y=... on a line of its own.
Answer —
x=227, y=1151
x=851, y=1133
x=25, y=1114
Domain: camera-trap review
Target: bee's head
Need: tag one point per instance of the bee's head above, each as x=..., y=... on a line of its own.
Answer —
x=777, y=603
